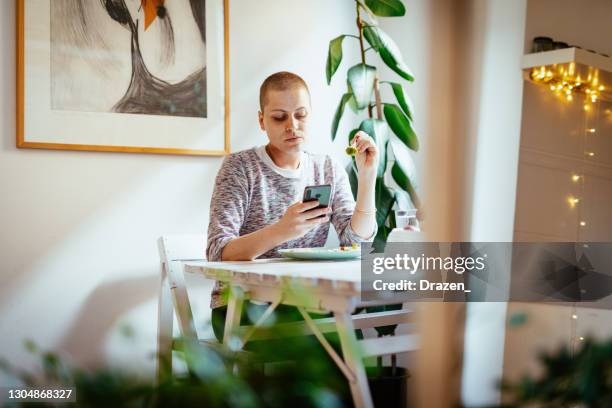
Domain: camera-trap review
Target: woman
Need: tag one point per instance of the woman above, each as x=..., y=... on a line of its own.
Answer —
x=256, y=206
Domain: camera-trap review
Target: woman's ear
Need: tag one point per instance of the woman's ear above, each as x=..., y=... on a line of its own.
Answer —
x=261, y=120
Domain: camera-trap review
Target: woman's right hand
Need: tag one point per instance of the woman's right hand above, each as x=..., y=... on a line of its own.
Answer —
x=300, y=218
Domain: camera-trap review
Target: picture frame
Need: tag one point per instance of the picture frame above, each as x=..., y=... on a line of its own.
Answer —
x=81, y=87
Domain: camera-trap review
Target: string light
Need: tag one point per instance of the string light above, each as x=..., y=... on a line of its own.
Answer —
x=573, y=201
x=564, y=80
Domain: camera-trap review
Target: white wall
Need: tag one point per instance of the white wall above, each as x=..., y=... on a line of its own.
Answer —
x=553, y=141
x=585, y=23
x=79, y=229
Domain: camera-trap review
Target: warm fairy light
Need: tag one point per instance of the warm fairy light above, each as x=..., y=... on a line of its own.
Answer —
x=587, y=107
x=575, y=178
x=574, y=316
x=582, y=223
x=590, y=154
x=581, y=338
x=591, y=130
x=565, y=81
x=573, y=201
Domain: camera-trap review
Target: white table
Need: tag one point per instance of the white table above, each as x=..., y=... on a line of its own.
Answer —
x=326, y=286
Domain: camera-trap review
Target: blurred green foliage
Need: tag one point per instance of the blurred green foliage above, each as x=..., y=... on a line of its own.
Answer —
x=579, y=379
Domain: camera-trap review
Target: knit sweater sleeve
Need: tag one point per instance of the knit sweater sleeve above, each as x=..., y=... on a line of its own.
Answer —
x=228, y=206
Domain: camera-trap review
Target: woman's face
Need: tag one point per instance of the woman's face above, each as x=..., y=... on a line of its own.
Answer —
x=285, y=118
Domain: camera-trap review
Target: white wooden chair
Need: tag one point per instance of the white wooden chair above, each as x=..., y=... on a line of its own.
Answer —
x=173, y=296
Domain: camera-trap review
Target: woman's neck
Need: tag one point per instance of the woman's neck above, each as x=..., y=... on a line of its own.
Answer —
x=282, y=159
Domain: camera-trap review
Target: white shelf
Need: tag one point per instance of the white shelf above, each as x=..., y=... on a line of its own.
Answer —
x=565, y=56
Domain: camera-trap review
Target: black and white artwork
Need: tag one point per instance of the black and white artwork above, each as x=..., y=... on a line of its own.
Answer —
x=143, y=76
x=129, y=56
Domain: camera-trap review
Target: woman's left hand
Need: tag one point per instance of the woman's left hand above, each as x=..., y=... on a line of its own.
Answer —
x=366, y=156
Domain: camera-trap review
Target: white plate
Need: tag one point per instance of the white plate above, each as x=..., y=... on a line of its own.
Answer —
x=321, y=253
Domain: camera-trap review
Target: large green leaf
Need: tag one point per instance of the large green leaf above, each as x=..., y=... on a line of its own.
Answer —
x=338, y=115
x=401, y=98
x=402, y=180
x=388, y=50
x=385, y=198
x=371, y=35
x=400, y=124
x=379, y=131
x=334, y=57
x=353, y=104
x=386, y=8
x=380, y=240
x=361, y=82
x=352, y=134
x=352, y=176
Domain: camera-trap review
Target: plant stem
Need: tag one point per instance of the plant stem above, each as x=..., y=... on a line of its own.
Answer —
x=360, y=28
x=377, y=97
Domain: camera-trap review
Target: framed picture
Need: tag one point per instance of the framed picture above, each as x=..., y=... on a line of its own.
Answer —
x=144, y=76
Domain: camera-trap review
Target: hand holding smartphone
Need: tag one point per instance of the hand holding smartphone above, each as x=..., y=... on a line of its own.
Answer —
x=302, y=217
x=321, y=193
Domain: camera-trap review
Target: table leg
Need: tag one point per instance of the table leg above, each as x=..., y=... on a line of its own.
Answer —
x=359, y=388
x=234, y=311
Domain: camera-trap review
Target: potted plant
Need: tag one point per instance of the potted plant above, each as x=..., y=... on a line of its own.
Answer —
x=385, y=121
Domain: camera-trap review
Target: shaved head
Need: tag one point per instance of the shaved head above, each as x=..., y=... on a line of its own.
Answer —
x=280, y=81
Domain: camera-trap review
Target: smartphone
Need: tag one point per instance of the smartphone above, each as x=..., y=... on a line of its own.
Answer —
x=321, y=193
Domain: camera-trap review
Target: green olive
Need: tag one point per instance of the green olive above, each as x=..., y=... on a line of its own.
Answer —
x=351, y=150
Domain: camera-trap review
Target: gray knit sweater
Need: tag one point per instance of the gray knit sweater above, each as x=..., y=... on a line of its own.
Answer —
x=251, y=192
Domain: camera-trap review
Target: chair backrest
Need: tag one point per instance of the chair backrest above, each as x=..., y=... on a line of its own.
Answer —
x=185, y=247
x=173, y=251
